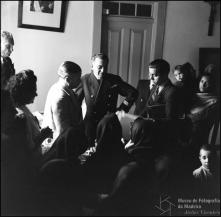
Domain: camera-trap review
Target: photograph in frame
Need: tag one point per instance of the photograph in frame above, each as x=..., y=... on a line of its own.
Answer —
x=42, y=15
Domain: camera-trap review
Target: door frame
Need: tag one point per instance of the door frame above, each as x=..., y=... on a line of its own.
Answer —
x=159, y=16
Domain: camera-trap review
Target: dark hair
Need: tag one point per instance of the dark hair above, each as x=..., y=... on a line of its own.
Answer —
x=178, y=67
x=162, y=66
x=208, y=147
x=7, y=36
x=183, y=69
x=100, y=56
x=21, y=86
x=68, y=67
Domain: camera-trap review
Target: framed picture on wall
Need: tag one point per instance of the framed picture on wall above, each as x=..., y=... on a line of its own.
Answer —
x=42, y=15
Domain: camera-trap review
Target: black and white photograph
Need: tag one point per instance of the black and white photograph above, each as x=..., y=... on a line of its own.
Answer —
x=42, y=6
x=110, y=108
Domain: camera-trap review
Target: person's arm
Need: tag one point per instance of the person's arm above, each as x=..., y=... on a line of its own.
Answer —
x=44, y=133
x=130, y=94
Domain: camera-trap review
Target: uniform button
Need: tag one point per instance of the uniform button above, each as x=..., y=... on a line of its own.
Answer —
x=141, y=100
x=109, y=95
x=92, y=96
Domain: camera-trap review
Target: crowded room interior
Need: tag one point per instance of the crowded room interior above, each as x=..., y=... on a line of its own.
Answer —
x=110, y=108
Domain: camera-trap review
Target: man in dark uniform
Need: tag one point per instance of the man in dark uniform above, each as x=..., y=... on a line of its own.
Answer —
x=7, y=68
x=100, y=90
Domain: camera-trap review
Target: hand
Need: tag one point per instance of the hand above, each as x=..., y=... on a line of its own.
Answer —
x=47, y=132
x=128, y=145
x=120, y=114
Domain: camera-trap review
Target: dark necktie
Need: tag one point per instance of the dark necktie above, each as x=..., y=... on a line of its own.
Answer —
x=155, y=93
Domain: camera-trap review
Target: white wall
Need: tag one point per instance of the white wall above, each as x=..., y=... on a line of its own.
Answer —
x=186, y=31
x=43, y=51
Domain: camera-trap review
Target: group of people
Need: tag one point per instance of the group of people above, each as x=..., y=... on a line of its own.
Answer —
x=46, y=158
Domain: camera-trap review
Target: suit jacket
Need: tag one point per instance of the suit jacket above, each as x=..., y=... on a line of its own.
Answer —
x=167, y=103
x=7, y=70
x=143, y=88
x=62, y=109
x=102, y=98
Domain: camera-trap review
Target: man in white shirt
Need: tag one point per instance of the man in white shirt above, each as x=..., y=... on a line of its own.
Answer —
x=62, y=109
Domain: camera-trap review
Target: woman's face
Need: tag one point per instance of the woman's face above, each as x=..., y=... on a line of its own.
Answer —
x=204, y=84
x=179, y=75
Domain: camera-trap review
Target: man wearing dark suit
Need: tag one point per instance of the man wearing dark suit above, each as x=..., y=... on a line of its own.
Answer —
x=144, y=87
x=162, y=101
x=7, y=67
x=100, y=90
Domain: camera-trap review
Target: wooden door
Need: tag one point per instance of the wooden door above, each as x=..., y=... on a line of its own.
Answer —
x=131, y=42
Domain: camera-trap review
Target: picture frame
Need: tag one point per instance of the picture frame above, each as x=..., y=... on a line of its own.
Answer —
x=42, y=15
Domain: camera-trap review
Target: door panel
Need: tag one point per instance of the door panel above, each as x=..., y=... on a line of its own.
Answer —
x=131, y=43
x=127, y=46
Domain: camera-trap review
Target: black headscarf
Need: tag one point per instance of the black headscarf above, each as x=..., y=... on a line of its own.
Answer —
x=109, y=134
x=143, y=135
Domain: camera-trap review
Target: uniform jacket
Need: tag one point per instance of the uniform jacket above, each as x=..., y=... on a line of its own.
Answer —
x=62, y=110
x=143, y=88
x=102, y=98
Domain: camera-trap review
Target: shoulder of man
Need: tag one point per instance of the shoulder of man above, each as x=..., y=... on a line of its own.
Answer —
x=112, y=77
x=85, y=76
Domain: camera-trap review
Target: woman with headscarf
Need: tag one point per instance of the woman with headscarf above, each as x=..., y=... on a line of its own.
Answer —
x=102, y=167
x=134, y=188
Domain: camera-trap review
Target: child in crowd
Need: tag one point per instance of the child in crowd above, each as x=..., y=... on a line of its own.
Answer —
x=185, y=81
x=206, y=157
x=207, y=176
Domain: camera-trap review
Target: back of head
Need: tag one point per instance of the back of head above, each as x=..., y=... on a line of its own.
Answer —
x=143, y=132
x=7, y=36
x=162, y=66
x=189, y=70
x=21, y=85
x=143, y=135
x=68, y=68
x=210, y=69
x=100, y=56
x=109, y=133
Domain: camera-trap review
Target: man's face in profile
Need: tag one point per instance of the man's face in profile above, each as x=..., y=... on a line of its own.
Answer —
x=99, y=68
x=6, y=48
x=156, y=77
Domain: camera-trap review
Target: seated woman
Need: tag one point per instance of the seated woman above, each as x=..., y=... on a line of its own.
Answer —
x=135, y=186
x=22, y=88
x=204, y=111
x=102, y=167
x=17, y=170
